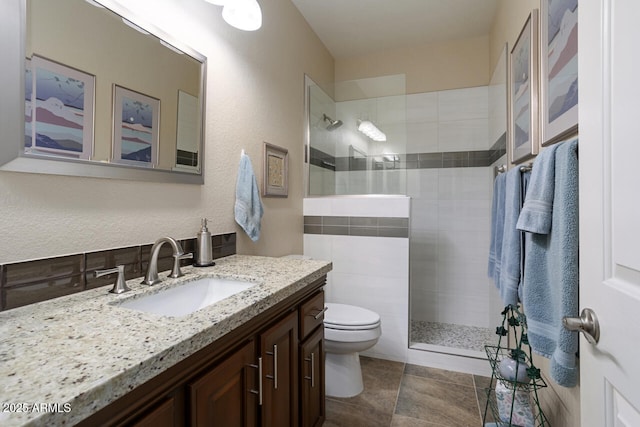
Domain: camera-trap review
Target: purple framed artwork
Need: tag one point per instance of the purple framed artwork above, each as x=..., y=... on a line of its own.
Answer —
x=59, y=108
x=559, y=65
x=523, y=92
x=136, y=121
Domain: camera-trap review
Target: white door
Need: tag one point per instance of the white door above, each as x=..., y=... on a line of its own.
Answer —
x=609, y=153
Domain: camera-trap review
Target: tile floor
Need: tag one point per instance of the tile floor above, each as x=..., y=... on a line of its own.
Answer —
x=403, y=395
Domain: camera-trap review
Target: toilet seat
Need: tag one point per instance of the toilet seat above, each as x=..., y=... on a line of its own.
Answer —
x=346, y=317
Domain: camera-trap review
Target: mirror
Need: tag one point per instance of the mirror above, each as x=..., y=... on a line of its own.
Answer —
x=104, y=95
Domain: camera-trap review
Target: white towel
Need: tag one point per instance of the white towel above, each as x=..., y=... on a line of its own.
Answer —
x=248, y=207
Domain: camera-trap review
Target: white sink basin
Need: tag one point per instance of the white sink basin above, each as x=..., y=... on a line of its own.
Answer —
x=189, y=297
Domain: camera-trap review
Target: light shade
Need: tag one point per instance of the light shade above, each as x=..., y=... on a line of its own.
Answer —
x=217, y=2
x=243, y=14
x=371, y=130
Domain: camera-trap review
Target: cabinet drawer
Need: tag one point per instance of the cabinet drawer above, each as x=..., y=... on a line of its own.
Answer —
x=311, y=314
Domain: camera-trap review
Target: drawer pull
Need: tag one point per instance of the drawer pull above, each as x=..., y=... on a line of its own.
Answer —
x=259, y=391
x=313, y=365
x=317, y=316
x=274, y=377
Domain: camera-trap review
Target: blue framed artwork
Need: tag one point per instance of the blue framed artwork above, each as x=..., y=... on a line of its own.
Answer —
x=523, y=92
x=59, y=108
x=136, y=121
x=559, y=65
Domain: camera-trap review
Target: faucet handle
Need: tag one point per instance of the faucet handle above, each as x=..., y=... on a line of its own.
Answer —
x=120, y=286
x=176, y=272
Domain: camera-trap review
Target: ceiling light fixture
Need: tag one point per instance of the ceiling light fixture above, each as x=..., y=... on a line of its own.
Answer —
x=243, y=14
x=371, y=130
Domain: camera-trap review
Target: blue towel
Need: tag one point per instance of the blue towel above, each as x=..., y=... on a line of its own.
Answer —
x=537, y=209
x=497, y=228
x=248, y=207
x=551, y=275
x=512, y=240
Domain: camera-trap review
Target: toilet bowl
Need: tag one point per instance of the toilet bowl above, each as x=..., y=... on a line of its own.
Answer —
x=348, y=330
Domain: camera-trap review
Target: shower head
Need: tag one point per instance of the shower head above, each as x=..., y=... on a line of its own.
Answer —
x=333, y=124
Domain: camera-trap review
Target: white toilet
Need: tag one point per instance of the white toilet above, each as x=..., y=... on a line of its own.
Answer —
x=348, y=330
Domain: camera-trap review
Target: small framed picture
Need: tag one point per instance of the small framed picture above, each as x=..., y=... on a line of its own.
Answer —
x=523, y=92
x=559, y=65
x=59, y=104
x=276, y=171
x=136, y=122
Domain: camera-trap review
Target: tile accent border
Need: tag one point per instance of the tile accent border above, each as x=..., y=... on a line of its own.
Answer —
x=357, y=226
x=28, y=282
x=437, y=160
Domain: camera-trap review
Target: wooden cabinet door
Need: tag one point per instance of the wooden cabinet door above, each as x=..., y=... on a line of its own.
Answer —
x=223, y=396
x=312, y=408
x=161, y=416
x=279, y=352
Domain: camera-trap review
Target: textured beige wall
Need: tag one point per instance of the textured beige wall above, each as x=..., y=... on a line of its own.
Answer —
x=255, y=93
x=507, y=24
x=433, y=67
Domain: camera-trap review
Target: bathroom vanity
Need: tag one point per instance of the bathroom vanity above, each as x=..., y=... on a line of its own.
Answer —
x=255, y=358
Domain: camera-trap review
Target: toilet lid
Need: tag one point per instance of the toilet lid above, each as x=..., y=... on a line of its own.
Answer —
x=343, y=316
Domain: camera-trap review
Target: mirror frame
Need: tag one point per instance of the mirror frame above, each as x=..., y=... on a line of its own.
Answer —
x=12, y=156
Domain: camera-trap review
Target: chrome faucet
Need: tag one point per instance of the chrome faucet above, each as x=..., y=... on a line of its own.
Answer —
x=151, y=277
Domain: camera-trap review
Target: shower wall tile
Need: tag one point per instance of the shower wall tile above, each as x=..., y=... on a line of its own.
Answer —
x=424, y=248
x=423, y=184
x=422, y=107
x=371, y=206
x=464, y=215
x=463, y=104
x=422, y=137
x=469, y=310
x=317, y=206
x=465, y=184
x=425, y=215
x=388, y=292
x=425, y=305
x=375, y=256
x=391, y=109
x=463, y=135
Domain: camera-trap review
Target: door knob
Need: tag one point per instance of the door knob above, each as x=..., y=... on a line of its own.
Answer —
x=587, y=323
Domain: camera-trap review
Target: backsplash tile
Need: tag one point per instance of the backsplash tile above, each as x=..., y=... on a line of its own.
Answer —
x=22, y=273
x=28, y=282
x=18, y=296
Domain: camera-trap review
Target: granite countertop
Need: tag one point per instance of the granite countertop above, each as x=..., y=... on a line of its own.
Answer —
x=64, y=359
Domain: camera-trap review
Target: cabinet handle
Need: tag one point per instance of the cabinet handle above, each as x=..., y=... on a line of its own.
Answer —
x=259, y=391
x=320, y=313
x=274, y=377
x=313, y=366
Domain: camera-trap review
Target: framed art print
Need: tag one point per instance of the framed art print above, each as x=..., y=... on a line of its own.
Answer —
x=559, y=69
x=59, y=108
x=276, y=170
x=136, y=122
x=523, y=92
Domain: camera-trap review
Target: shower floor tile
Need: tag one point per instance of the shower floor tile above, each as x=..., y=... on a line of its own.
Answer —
x=450, y=335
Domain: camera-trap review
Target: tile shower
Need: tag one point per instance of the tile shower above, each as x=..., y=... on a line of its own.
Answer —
x=440, y=150
x=451, y=204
